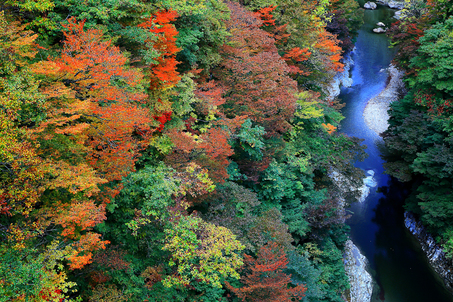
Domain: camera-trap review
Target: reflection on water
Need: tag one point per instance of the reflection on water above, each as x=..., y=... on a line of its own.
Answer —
x=397, y=263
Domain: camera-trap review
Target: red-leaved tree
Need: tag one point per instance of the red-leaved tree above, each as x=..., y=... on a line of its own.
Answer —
x=255, y=74
x=265, y=280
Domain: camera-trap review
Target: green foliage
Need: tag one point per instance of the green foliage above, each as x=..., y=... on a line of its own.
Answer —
x=201, y=31
x=202, y=251
x=332, y=271
x=420, y=135
x=250, y=140
x=31, y=274
x=302, y=271
x=433, y=62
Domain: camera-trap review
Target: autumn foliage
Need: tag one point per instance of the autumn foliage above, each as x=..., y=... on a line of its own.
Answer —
x=265, y=280
x=256, y=76
x=164, y=72
x=112, y=151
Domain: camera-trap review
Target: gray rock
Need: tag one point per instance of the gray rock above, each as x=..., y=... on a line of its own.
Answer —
x=380, y=24
x=379, y=30
x=434, y=252
x=341, y=79
x=355, y=265
x=376, y=111
x=396, y=4
x=370, y=5
x=397, y=15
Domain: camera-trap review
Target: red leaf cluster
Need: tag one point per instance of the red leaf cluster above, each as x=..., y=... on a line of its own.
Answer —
x=164, y=73
x=265, y=280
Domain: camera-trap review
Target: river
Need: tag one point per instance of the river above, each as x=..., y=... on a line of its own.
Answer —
x=398, y=265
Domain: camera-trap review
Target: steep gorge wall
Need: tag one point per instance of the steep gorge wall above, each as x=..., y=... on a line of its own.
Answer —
x=434, y=252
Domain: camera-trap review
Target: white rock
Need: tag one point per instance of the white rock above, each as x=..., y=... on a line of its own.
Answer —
x=355, y=265
x=379, y=30
x=370, y=5
x=397, y=15
x=370, y=172
x=380, y=24
x=396, y=4
x=341, y=79
x=375, y=113
x=365, y=192
x=370, y=182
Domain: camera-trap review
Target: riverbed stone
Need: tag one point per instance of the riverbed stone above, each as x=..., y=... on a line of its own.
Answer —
x=370, y=172
x=355, y=264
x=370, y=5
x=396, y=4
x=380, y=24
x=379, y=30
x=375, y=113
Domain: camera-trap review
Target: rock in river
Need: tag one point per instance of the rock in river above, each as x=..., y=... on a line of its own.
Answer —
x=379, y=30
x=370, y=5
x=396, y=4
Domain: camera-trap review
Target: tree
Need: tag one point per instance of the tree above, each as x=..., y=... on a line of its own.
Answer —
x=22, y=170
x=201, y=251
x=98, y=103
x=256, y=76
x=265, y=280
x=163, y=72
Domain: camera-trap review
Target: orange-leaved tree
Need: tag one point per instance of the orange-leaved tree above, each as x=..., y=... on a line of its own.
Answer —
x=97, y=123
x=163, y=73
x=328, y=50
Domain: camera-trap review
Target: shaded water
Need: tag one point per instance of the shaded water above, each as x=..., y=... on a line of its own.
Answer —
x=397, y=263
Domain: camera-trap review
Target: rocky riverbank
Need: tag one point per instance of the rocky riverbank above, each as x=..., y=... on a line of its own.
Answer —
x=360, y=280
x=355, y=264
x=375, y=113
x=434, y=252
x=341, y=79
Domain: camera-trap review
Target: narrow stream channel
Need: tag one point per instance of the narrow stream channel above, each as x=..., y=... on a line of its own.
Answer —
x=398, y=265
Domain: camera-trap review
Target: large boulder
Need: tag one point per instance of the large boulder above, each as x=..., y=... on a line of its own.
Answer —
x=370, y=5
x=397, y=15
x=379, y=30
x=396, y=4
x=380, y=24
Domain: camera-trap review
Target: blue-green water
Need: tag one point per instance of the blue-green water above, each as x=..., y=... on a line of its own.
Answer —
x=397, y=263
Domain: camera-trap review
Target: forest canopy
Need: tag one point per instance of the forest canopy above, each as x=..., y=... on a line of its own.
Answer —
x=175, y=150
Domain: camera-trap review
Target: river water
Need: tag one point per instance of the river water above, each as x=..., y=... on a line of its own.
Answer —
x=398, y=265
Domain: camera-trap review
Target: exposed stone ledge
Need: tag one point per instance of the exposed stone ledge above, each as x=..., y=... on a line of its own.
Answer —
x=355, y=265
x=433, y=251
x=341, y=79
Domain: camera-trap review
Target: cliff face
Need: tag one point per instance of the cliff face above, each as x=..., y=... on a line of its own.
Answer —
x=436, y=257
x=341, y=79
